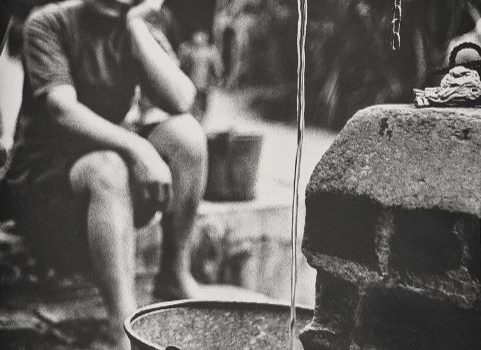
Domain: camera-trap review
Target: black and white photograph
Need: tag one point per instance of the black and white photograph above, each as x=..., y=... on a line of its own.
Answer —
x=240, y=174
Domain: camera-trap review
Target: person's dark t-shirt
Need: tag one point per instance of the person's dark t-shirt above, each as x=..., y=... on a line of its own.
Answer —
x=69, y=43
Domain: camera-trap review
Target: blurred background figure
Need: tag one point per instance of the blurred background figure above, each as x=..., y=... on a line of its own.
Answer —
x=201, y=61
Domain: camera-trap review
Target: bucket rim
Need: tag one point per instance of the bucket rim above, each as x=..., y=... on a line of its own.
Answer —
x=235, y=134
x=156, y=307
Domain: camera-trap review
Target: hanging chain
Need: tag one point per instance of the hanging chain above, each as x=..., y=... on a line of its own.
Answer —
x=396, y=25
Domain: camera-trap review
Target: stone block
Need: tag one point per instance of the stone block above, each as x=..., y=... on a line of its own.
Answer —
x=344, y=269
x=431, y=251
x=342, y=226
x=314, y=336
x=334, y=316
x=393, y=213
x=400, y=156
x=472, y=229
x=399, y=319
x=425, y=241
x=336, y=302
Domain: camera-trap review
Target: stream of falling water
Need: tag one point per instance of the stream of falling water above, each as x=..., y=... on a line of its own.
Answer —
x=301, y=67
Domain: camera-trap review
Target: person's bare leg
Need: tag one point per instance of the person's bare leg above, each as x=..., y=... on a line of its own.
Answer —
x=102, y=179
x=10, y=96
x=181, y=140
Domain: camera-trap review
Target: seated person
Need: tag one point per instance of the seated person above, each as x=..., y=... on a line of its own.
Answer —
x=81, y=184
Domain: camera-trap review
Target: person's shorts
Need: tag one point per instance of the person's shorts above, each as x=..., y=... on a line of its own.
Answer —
x=49, y=216
x=46, y=213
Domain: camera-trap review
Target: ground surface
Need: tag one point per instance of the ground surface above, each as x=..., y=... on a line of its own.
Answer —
x=231, y=110
x=275, y=180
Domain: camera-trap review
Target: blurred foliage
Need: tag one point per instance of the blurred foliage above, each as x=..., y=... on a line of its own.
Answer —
x=350, y=63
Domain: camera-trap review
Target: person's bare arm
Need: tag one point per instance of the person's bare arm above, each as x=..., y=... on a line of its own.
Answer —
x=164, y=82
x=62, y=106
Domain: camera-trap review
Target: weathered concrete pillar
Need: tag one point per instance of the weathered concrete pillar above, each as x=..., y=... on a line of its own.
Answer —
x=393, y=213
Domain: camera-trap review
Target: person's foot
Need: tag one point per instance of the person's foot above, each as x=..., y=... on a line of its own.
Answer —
x=172, y=287
x=168, y=289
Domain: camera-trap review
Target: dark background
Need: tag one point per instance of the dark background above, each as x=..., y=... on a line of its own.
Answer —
x=350, y=63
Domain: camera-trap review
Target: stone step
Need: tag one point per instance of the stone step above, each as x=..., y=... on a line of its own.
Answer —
x=241, y=250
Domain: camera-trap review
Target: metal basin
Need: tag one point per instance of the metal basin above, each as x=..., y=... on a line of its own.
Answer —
x=208, y=325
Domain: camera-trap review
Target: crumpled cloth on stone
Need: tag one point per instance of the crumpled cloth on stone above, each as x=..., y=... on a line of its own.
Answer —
x=459, y=87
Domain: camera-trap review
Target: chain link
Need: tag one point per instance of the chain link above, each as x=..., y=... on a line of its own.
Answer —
x=396, y=25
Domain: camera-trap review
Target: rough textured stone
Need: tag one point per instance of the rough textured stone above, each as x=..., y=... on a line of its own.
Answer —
x=336, y=303
x=401, y=156
x=393, y=228
x=425, y=242
x=348, y=227
x=472, y=228
x=399, y=319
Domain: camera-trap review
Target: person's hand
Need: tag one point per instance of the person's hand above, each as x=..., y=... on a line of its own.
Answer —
x=148, y=11
x=144, y=10
x=151, y=176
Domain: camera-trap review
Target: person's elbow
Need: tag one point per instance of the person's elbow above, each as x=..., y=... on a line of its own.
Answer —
x=174, y=98
x=185, y=98
x=59, y=100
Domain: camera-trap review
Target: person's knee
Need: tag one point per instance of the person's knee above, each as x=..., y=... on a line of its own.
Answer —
x=192, y=144
x=101, y=172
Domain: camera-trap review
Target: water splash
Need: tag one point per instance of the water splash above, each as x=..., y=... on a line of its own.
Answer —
x=301, y=68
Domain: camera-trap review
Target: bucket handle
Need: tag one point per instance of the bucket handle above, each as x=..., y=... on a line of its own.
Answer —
x=463, y=46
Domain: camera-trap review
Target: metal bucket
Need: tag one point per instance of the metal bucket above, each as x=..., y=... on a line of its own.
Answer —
x=233, y=166
x=213, y=325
